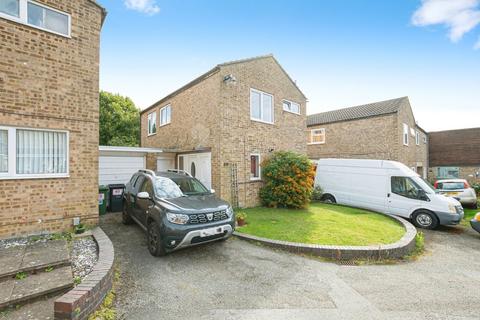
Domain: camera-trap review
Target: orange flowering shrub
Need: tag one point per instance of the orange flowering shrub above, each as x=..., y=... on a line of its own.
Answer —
x=288, y=180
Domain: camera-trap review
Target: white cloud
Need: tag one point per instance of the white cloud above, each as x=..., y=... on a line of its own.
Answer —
x=149, y=7
x=459, y=16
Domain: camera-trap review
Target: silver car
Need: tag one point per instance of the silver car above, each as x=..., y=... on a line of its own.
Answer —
x=458, y=189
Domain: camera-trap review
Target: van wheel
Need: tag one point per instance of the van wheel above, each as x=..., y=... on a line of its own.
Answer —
x=126, y=219
x=328, y=198
x=155, y=245
x=425, y=219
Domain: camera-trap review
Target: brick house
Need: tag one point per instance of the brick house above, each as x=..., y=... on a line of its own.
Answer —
x=455, y=154
x=224, y=123
x=381, y=130
x=48, y=114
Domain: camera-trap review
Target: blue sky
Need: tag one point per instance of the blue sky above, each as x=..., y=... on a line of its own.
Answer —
x=340, y=52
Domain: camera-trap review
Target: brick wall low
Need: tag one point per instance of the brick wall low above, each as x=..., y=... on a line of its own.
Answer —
x=468, y=173
x=85, y=298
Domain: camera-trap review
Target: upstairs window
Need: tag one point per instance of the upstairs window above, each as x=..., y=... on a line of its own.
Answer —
x=165, y=115
x=405, y=134
x=36, y=15
x=261, y=106
x=254, y=167
x=417, y=138
x=290, y=106
x=152, y=123
x=317, y=136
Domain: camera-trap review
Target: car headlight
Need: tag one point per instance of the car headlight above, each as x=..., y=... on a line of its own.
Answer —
x=229, y=212
x=177, y=218
x=477, y=217
x=451, y=208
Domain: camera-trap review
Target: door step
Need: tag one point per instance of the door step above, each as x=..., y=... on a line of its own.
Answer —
x=16, y=291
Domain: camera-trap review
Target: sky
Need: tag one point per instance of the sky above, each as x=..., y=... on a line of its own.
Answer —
x=341, y=53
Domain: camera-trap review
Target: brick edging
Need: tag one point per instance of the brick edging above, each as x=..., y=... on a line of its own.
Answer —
x=85, y=298
x=395, y=250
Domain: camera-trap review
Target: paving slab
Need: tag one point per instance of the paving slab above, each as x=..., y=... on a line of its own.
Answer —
x=6, y=289
x=44, y=254
x=11, y=260
x=37, y=285
x=41, y=309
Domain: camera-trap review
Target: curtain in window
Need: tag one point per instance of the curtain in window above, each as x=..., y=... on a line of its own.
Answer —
x=41, y=152
x=3, y=151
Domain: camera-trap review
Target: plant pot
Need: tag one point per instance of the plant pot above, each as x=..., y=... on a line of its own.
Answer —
x=240, y=222
x=79, y=230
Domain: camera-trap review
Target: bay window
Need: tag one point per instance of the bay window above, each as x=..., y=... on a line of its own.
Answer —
x=261, y=106
x=36, y=15
x=33, y=153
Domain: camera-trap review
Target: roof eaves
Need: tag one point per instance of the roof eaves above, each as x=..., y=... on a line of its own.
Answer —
x=355, y=119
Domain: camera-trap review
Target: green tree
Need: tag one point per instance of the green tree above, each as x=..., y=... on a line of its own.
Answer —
x=119, y=121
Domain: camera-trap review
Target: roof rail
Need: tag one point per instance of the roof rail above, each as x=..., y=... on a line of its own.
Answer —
x=146, y=171
x=179, y=172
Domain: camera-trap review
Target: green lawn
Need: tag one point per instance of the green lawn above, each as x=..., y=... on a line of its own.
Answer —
x=322, y=224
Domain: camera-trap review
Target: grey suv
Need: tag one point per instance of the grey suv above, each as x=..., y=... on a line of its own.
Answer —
x=176, y=210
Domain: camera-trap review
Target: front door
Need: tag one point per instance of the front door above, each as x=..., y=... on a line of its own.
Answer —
x=198, y=165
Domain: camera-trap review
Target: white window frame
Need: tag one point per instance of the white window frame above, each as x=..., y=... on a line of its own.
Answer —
x=148, y=123
x=259, y=167
x=261, y=106
x=405, y=135
x=170, y=119
x=312, y=135
x=291, y=102
x=23, y=17
x=12, y=154
x=417, y=138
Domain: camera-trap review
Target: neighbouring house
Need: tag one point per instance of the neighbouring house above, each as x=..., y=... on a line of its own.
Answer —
x=455, y=154
x=223, y=124
x=49, y=113
x=380, y=130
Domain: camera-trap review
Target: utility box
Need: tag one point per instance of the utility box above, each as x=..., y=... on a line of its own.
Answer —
x=116, y=197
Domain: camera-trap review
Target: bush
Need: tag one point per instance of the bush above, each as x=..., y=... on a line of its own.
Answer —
x=317, y=193
x=476, y=186
x=288, y=180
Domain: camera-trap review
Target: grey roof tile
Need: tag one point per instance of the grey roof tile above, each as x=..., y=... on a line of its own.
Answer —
x=358, y=112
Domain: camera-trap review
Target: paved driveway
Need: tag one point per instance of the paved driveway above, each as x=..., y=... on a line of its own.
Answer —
x=240, y=280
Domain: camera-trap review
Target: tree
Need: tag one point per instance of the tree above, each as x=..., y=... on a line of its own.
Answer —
x=119, y=121
x=288, y=180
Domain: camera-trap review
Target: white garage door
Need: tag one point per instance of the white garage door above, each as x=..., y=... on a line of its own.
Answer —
x=198, y=165
x=165, y=163
x=118, y=169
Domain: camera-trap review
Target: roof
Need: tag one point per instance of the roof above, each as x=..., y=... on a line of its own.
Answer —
x=215, y=70
x=358, y=112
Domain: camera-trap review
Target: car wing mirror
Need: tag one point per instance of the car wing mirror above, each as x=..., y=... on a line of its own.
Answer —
x=212, y=190
x=143, y=195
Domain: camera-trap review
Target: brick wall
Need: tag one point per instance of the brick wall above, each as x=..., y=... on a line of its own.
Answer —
x=214, y=115
x=455, y=147
x=51, y=82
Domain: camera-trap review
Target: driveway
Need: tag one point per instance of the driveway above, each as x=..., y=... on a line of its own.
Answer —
x=239, y=280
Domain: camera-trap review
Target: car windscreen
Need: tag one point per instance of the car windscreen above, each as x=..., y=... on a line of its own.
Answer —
x=450, y=185
x=166, y=188
x=190, y=186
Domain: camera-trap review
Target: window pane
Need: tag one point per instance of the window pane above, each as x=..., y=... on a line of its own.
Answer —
x=286, y=106
x=254, y=167
x=255, y=105
x=40, y=152
x=47, y=19
x=3, y=151
x=267, y=114
x=152, y=125
x=10, y=7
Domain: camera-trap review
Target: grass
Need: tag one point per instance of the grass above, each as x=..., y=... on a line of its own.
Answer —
x=469, y=214
x=323, y=224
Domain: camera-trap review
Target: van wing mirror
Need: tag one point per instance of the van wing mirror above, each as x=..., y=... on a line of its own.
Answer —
x=422, y=195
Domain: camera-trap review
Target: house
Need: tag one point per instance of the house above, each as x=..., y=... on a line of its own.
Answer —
x=380, y=130
x=49, y=113
x=455, y=154
x=224, y=123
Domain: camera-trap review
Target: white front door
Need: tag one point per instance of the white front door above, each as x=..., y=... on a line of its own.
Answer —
x=198, y=165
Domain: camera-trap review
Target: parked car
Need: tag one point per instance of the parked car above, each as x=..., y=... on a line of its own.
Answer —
x=388, y=187
x=458, y=189
x=475, y=222
x=176, y=210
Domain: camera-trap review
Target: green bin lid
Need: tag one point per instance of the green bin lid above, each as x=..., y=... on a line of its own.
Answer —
x=103, y=188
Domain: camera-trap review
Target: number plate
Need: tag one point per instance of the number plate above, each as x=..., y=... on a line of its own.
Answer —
x=210, y=232
x=452, y=194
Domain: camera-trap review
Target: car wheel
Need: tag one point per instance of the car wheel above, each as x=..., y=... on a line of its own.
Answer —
x=155, y=245
x=328, y=198
x=425, y=219
x=126, y=219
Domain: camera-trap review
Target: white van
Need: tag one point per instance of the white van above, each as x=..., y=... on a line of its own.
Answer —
x=386, y=186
